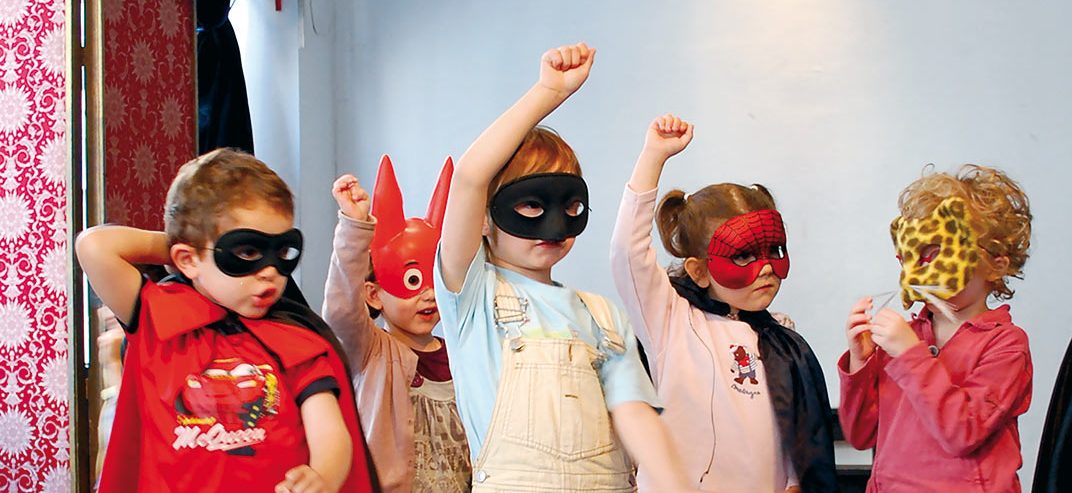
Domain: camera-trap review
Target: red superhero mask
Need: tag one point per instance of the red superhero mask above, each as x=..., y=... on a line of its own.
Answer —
x=403, y=250
x=742, y=246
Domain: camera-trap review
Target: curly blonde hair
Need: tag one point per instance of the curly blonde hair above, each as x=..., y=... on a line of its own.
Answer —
x=1002, y=215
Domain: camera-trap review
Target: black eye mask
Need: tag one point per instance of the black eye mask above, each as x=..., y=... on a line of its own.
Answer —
x=555, y=193
x=242, y=252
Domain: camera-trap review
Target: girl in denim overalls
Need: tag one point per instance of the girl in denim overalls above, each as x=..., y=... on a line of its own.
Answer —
x=549, y=384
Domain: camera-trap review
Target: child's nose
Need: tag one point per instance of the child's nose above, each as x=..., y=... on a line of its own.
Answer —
x=269, y=272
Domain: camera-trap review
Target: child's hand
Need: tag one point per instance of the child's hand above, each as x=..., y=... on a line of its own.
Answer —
x=302, y=479
x=353, y=200
x=565, y=68
x=892, y=333
x=861, y=346
x=667, y=135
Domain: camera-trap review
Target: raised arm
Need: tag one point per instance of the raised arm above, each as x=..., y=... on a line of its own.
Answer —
x=344, y=291
x=562, y=71
x=640, y=281
x=667, y=136
x=108, y=254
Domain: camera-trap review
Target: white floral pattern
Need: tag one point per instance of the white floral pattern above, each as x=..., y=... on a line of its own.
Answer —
x=52, y=47
x=14, y=109
x=57, y=480
x=15, y=432
x=34, y=448
x=14, y=217
x=54, y=269
x=12, y=11
x=14, y=325
x=54, y=379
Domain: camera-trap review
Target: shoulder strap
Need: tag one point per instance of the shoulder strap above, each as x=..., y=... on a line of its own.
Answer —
x=599, y=307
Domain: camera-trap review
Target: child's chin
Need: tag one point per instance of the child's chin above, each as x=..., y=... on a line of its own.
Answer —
x=252, y=311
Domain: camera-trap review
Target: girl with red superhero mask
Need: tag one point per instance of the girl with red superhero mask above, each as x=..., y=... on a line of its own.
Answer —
x=402, y=381
x=746, y=401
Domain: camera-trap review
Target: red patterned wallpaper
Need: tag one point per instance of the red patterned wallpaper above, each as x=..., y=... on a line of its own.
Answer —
x=34, y=448
x=149, y=109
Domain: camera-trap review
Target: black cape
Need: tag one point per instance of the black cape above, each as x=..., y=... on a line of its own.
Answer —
x=293, y=308
x=797, y=390
x=1053, y=473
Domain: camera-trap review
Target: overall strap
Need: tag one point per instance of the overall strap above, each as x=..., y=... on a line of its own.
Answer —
x=511, y=312
x=599, y=307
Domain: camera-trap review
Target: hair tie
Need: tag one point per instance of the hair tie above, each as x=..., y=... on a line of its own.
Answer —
x=687, y=195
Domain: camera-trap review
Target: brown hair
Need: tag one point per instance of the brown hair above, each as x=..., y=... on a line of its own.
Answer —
x=541, y=151
x=209, y=185
x=1002, y=215
x=686, y=223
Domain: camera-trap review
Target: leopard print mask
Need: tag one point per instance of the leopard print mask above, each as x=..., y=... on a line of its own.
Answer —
x=938, y=253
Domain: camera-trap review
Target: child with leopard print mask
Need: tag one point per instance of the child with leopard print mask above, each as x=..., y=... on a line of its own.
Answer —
x=940, y=394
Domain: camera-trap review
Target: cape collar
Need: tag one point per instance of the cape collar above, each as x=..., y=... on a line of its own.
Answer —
x=181, y=310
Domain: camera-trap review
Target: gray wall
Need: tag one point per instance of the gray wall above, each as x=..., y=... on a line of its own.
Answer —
x=835, y=105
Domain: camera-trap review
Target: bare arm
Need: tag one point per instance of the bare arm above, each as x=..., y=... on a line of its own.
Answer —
x=644, y=437
x=330, y=448
x=562, y=71
x=108, y=255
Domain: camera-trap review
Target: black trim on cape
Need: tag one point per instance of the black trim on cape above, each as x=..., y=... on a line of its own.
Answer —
x=294, y=309
x=1053, y=472
x=797, y=390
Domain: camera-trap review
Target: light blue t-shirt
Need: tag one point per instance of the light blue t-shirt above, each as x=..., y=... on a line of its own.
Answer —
x=475, y=343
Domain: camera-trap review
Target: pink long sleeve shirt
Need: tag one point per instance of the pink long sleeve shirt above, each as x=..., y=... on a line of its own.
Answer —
x=706, y=370
x=945, y=422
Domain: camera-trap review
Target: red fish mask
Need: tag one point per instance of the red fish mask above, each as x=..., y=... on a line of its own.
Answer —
x=743, y=245
x=403, y=250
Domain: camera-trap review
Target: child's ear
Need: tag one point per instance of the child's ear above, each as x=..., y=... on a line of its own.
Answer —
x=485, y=227
x=186, y=258
x=999, y=266
x=697, y=270
x=372, y=295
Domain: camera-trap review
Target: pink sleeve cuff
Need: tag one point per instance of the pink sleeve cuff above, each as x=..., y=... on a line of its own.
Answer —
x=908, y=361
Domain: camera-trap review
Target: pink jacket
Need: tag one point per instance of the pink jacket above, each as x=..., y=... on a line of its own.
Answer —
x=946, y=422
x=718, y=414
x=383, y=368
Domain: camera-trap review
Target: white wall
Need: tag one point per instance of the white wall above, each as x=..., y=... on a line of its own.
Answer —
x=834, y=104
x=288, y=57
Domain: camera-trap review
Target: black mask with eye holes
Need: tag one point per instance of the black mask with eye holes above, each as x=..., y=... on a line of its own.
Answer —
x=562, y=197
x=241, y=252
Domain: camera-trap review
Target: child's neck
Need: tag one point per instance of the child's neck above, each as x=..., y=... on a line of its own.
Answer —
x=540, y=275
x=420, y=342
x=944, y=327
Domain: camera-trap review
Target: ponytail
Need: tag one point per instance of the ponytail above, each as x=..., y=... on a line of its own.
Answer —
x=668, y=220
x=687, y=221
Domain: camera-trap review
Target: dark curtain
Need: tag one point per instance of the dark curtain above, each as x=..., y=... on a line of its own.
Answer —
x=1053, y=473
x=223, y=107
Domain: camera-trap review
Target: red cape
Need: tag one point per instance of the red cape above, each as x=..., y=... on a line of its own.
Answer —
x=177, y=309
